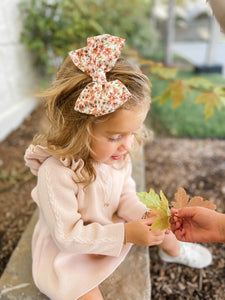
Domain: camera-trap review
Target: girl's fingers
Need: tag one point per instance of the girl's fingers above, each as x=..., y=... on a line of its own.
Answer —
x=152, y=214
x=158, y=233
x=149, y=221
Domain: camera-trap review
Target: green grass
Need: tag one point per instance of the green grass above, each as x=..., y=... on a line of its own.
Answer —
x=188, y=120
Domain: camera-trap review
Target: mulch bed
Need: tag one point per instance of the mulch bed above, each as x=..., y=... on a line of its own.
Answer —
x=199, y=167
x=16, y=205
x=196, y=165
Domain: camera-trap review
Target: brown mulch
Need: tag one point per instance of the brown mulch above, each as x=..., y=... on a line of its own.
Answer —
x=196, y=165
x=16, y=183
x=199, y=167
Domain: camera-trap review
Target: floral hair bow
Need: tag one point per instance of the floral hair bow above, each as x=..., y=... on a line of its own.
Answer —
x=100, y=97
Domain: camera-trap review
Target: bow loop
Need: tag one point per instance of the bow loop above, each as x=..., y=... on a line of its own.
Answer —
x=100, y=97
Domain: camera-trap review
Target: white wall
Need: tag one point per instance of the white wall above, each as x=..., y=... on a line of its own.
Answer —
x=17, y=74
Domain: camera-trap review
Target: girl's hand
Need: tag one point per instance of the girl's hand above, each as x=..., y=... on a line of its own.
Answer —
x=138, y=232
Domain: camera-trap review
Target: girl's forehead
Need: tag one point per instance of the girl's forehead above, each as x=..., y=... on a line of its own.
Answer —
x=123, y=121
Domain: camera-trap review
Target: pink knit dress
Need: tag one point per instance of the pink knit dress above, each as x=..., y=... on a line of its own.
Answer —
x=78, y=240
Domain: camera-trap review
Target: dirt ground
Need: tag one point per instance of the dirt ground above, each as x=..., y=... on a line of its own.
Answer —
x=196, y=165
x=199, y=167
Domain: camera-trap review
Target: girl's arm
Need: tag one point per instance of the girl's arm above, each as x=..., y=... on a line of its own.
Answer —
x=130, y=208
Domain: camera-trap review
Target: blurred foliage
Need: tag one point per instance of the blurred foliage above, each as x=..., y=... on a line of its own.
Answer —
x=209, y=90
x=212, y=94
x=189, y=118
x=53, y=28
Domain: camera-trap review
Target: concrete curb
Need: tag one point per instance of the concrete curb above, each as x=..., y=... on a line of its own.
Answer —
x=130, y=281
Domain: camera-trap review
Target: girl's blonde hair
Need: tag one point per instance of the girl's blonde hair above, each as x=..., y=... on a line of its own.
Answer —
x=69, y=131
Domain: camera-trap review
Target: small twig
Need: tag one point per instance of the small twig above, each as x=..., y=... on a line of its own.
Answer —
x=200, y=280
x=19, y=286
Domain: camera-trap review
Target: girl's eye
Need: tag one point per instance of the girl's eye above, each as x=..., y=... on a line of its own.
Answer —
x=119, y=137
x=115, y=138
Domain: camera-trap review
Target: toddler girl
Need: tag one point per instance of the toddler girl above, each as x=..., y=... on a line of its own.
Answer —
x=89, y=212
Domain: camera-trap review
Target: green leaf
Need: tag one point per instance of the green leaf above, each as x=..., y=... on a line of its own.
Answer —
x=149, y=199
x=158, y=206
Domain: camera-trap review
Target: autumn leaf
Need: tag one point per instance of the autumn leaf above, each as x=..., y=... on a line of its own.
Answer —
x=164, y=97
x=222, y=99
x=176, y=91
x=197, y=82
x=157, y=206
x=220, y=91
x=150, y=63
x=182, y=200
x=211, y=101
x=163, y=72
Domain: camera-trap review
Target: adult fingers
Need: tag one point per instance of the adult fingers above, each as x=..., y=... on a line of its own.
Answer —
x=180, y=234
x=185, y=212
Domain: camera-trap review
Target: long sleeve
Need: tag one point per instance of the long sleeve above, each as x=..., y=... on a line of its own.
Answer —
x=130, y=208
x=57, y=194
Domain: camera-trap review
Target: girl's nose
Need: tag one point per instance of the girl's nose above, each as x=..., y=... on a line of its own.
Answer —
x=127, y=143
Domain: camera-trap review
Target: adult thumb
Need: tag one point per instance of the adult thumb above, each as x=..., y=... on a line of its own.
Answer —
x=186, y=212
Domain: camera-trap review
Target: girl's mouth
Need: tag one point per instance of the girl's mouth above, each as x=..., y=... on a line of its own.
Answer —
x=116, y=157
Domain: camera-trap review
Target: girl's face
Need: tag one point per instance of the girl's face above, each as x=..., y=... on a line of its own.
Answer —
x=113, y=138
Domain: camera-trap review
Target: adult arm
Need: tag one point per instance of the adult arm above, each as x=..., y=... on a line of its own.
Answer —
x=218, y=8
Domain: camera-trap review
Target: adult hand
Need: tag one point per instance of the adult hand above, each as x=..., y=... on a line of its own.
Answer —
x=198, y=224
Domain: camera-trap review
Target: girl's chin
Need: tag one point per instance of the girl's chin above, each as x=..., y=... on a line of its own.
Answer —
x=111, y=160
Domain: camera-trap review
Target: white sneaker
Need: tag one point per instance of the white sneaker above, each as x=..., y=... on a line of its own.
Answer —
x=191, y=255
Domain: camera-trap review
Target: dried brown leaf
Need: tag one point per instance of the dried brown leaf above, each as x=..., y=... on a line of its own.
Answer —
x=182, y=200
x=198, y=201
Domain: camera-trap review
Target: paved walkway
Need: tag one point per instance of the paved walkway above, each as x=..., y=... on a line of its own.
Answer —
x=196, y=52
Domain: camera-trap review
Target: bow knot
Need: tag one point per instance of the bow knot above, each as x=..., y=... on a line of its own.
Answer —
x=99, y=77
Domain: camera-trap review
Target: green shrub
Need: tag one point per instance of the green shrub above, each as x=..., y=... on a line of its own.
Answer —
x=52, y=28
